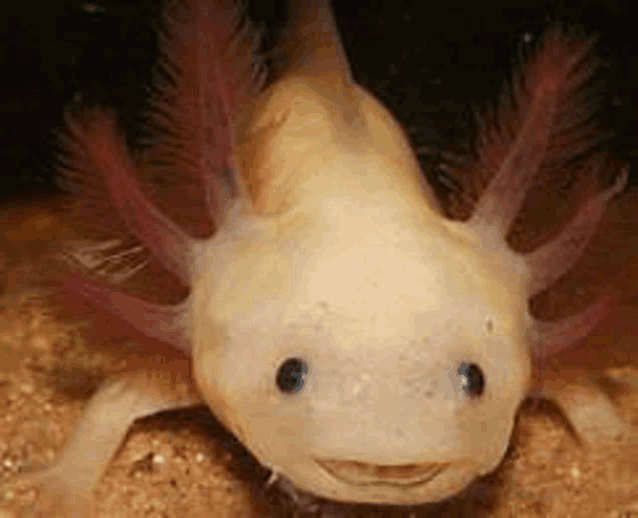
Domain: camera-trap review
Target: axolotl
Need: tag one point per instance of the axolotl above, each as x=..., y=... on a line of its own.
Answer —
x=361, y=345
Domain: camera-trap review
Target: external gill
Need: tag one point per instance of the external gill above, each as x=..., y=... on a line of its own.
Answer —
x=200, y=85
x=543, y=125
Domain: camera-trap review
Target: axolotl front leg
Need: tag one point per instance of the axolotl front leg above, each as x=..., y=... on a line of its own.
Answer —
x=66, y=487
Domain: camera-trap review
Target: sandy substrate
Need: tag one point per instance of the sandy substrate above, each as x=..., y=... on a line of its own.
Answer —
x=184, y=464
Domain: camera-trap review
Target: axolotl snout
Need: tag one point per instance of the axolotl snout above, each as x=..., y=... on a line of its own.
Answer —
x=360, y=345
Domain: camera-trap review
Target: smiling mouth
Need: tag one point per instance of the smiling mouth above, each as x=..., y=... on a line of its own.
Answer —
x=363, y=474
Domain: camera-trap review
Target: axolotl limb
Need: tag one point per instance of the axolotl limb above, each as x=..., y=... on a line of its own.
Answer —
x=361, y=345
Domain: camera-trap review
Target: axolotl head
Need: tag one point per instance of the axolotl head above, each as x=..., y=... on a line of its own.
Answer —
x=358, y=343
x=361, y=345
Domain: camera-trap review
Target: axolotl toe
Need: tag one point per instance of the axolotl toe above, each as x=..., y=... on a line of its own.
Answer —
x=361, y=345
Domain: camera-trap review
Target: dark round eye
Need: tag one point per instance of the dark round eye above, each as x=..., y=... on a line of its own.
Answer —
x=473, y=379
x=291, y=375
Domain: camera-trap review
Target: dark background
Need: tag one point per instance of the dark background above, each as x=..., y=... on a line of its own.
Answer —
x=427, y=60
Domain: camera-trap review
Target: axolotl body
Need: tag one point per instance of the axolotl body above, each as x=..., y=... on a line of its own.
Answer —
x=361, y=345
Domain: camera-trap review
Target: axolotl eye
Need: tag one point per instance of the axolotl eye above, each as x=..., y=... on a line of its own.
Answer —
x=473, y=381
x=291, y=375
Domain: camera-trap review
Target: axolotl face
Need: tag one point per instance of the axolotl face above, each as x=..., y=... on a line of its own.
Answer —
x=372, y=351
x=375, y=362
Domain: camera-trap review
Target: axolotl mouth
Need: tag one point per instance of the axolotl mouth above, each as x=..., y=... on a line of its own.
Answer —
x=365, y=474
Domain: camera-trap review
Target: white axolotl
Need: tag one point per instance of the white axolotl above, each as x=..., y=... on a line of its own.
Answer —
x=361, y=345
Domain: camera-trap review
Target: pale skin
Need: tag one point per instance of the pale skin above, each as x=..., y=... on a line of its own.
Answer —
x=331, y=261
